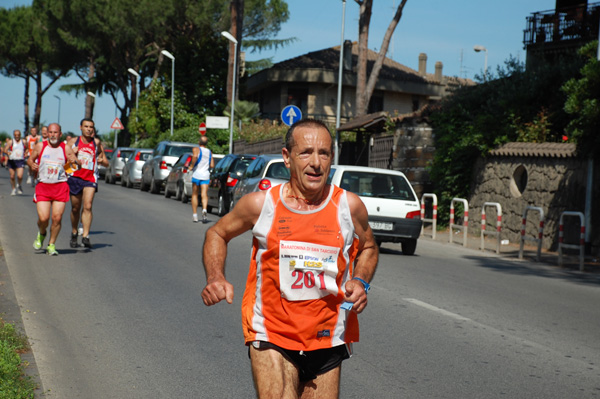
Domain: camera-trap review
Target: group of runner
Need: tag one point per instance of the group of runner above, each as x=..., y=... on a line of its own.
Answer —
x=61, y=171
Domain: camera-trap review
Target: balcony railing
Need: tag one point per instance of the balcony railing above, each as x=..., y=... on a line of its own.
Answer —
x=574, y=23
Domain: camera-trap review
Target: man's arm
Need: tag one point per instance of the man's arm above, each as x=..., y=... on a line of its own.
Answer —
x=241, y=219
x=34, y=155
x=367, y=256
x=102, y=160
x=195, y=153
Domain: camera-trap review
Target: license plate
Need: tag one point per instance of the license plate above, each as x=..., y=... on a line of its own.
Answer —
x=381, y=226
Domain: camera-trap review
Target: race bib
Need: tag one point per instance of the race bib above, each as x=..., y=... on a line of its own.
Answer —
x=307, y=271
x=52, y=172
x=86, y=159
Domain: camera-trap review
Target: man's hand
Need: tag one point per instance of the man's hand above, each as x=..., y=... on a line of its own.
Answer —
x=355, y=293
x=216, y=291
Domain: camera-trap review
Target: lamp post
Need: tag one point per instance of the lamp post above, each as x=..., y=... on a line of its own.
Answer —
x=172, y=57
x=336, y=148
x=234, y=77
x=477, y=49
x=59, y=101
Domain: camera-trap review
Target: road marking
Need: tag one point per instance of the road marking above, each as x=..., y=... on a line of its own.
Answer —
x=436, y=309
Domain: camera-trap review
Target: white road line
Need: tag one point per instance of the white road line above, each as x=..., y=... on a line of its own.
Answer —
x=436, y=309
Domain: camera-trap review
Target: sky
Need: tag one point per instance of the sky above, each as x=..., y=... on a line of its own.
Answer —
x=445, y=30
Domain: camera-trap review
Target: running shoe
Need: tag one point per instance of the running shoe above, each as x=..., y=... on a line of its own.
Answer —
x=39, y=241
x=195, y=218
x=13, y=192
x=86, y=242
x=204, y=218
x=51, y=250
x=19, y=191
x=28, y=179
x=73, y=240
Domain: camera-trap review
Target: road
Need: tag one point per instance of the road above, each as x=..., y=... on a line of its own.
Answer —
x=126, y=320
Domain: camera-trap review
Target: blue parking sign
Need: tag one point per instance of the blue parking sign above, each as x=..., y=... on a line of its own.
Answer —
x=291, y=114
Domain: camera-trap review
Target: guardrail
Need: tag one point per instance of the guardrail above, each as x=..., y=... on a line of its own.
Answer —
x=561, y=243
x=433, y=219
x=496, y=233
x=537, y=240
x=465, y=226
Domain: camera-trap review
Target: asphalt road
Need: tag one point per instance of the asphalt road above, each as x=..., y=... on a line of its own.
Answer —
x=126, y=320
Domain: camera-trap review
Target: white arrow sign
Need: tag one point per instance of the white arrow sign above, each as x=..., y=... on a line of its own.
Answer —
x=291, y=114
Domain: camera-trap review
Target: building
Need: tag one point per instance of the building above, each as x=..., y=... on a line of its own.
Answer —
x=310, y=81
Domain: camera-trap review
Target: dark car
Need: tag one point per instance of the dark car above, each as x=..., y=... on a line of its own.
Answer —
x=223, y=179
x=174, y=183
x=264, y=172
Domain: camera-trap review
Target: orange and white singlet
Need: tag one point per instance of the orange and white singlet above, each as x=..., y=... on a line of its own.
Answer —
x=31, y=142
x=300, y=263
x=52, y=161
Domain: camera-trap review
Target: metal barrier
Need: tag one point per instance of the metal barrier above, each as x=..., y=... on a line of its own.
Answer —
x=538, y=240
x=465, y=226
x=433, y=219
x=496, y=233
x=561, y=243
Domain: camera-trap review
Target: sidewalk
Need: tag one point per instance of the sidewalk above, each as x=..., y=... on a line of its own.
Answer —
x=511, y=251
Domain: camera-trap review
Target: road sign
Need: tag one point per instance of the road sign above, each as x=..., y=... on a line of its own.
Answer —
x=202, y=128
x=291, y=114
x=217, y=122
x=117, y=124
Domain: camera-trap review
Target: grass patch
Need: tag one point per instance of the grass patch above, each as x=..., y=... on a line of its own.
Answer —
x=14, y=384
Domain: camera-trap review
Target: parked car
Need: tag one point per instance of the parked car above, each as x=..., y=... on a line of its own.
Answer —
x=157, y=167
x=174, y=183
x=186, y=184
x=223, y=179
x=102, y=169
x=114, y=170
x=393, y=207
x=132, y=171
x=261, y=174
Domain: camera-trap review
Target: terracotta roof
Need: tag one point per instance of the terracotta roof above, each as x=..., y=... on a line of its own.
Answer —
x=422, y=114
x=329, y=58
x=373, y=121
x=551, y=150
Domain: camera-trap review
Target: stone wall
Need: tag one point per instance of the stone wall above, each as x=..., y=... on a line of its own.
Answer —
x=515, y=182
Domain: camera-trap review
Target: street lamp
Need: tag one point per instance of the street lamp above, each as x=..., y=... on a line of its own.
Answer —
x=234, y=77
x=59, y=101
x=477, y=49
x=89, y=93
x=336, y=148
x=137, y=76
x=172, y=57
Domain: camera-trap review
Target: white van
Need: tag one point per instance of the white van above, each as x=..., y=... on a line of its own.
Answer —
x=393, y=207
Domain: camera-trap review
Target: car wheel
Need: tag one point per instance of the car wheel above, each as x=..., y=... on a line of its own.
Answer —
x=167, y=192
x=178, y=193
x=409, y=246
x=221, y=206
x=129, y=184
x=123, y=182
x=154, y=189
x=106, y=177
x=143, y=186
x=231, y=204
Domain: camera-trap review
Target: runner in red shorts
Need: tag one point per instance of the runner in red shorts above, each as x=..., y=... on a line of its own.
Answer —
x=48, y=160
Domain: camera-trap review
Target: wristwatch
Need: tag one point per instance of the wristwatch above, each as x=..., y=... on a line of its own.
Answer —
x=366, y=285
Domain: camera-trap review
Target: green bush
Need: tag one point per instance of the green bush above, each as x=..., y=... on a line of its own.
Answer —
x=13, y=383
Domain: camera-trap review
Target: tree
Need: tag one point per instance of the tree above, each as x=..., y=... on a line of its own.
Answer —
x=364, y=88
x=583, y=103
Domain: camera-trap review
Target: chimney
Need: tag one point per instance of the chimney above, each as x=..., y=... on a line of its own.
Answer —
x=422, y=64
x=438, y=71
x=347, y=55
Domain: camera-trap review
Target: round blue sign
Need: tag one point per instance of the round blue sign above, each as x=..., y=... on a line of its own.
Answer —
x=291, y=114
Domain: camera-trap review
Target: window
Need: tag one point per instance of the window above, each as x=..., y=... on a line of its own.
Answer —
x=369, y=184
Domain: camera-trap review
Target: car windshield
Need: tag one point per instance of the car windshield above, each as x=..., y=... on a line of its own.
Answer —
x=371, y=184
x=125, y=154
x=108, y=154
x=177, y=151
x=277, y=170
x=240, y=167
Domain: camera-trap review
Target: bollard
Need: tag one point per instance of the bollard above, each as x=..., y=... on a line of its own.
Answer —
x=540, y=232
x=433, y=220
x=496, y=233
x=465, y=225
x=561, y=243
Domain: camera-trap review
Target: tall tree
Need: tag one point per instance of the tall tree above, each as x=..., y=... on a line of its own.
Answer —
x=364, y=88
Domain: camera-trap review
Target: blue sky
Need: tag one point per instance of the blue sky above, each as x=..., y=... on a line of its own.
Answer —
x=446, y=30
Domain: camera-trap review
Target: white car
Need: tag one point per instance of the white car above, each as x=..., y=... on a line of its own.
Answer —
x=393, y=207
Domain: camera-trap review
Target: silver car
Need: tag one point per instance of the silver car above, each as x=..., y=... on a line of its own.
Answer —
x=115, y=167
x=157, y=167
x=265, y=171
x=132, y=171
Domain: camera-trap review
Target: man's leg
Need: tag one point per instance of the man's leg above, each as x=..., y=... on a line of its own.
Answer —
x=275, y=377
x=86, y=214
x=43, y=210
x=19, y=176
x=325, y=386
x=58, y=208
x=194, y=198
x=11, y=171
x=204, y=192
x=75, y=211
